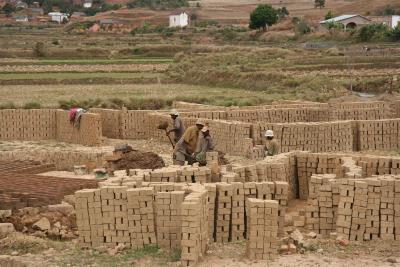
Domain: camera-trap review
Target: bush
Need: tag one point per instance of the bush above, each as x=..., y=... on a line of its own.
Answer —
x=32, y=105
x=39, y=50
x=394, y=34
x=329, y=15
x=303, y=27
x=263, y=16
x=376, y=32
x=7, y=105
x=157, y=4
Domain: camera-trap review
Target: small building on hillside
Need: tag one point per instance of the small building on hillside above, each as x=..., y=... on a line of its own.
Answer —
x=87, y=3
x=348, y=21
x=21, y=18
x=58, y=17
x=391, y=21
x=21, y=5
x=35, y=11
x=179, y=19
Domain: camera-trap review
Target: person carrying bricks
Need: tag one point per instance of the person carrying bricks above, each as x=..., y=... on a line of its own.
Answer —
x=186, y=146
x=179, y=127
x=271, y=146
x=205, y=144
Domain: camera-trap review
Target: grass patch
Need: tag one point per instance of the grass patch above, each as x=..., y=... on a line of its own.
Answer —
x=76, y=75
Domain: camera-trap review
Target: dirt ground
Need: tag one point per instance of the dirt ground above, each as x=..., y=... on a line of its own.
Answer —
x=45, y=253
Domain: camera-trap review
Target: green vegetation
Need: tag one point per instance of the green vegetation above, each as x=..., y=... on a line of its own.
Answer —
x=8, y=9
x=157, y=4
x=319, y=3
x=329, y=15
x=39, y=50
x=147, y=28
x=378, y=32
x=263, y=16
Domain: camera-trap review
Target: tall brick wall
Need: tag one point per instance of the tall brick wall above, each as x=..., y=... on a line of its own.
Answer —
x=89, y=132
x=29, y=124
x=110, y=121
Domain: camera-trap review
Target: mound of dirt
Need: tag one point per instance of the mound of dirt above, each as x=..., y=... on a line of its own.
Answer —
x=137, y=160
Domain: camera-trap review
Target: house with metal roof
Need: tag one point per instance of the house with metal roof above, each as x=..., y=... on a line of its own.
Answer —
x=348, y=21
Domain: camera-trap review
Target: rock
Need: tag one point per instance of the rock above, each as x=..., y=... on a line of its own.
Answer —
x=25, y=229
x=14, y=253
x=43, y=224
x=393, y=260
x=297, y=236
x=333, y=236
x=312, y=235
x=284, y=249
x=320, y=250
x=344, y=242
x=57, y=225
x=62, y=208
x=292, y=248
x=54, y=232
x=5, y=214
x=70, y=199
x=30, y=211
x=39, y=234
x=6, y=228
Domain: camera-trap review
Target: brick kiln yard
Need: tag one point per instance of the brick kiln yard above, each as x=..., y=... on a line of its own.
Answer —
x=331, y=198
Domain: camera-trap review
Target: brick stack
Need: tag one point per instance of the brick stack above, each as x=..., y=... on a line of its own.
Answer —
x=83, y=219
x=358, y=221
x=194, y=228
x=89, y=132
x=262, y=229
x=141, y=217
x=238, y=215
x=110, y=121
x=130, y=122
x=387, y=231
x=397, y=209
x=211, y=198
x=251, y=173
x=281, y=195
x=346, y=202
x=223, y=212
x=168, y=219
x=241, y=173
x=28, y=124
x=229, y=177
x=379, y=134
x=373, y=206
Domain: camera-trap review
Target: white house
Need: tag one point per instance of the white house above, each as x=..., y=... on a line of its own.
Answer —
x=21, y=18
x=58, y=17
x=180, y=19
x=87, y=3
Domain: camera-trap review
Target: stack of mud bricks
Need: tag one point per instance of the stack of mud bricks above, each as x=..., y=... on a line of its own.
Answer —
x=379, y=134
x=238, y=215
x=168, y=219
x=262, y=229
x=211, y=157
x=134, y=124
x=257, y=153
x=33, y=124
x=315, y=137
x=110, y=121
x=360, y=114
x=164, y=175
x=84, y=220
x=211, y=198
x=140, y=212
x=89, y=133
x=229, y=177
x=205, y=114
x=194, y=229
x=310, y=163
x=323, y=200
x=194, y=174
x=373, y=206
x=223, y=212
x=240, y=170
x=397, y=208
x=387, y=212
x=270, y=171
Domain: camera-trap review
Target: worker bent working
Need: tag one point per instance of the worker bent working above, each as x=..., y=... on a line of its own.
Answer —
x=177, y=123
x=205, y=144
x=271, y=146
x=186, y=146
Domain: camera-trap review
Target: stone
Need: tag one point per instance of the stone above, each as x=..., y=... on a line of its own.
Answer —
x=6, y=228
x=393, y=260
x=5, y=214
x=43, y=224
x=312, y=235
x=57, y=225
x=344, y=242
x=284, y=249
x=62, y=208
x=39, y=234
x=320, y=250
x=297, y=236
x=31, y=210
x=14, y=253
x=292, y=248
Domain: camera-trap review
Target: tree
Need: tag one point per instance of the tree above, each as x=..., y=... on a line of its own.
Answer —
x=329, y=15
x=8, y=9
x=282, y=12
x=319, y=3
x=39, y=50
x=47, y=6
x=263, y=16
x=389, y=11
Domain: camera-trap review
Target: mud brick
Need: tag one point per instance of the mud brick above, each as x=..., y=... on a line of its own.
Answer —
x=263, y=228
x=223, y=212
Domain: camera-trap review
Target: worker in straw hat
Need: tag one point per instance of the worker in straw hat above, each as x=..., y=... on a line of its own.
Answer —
x=186, y=146
x=271, y=146
x=178, y=126
x=205, y=144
